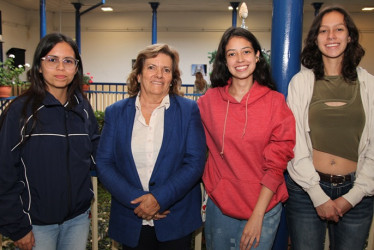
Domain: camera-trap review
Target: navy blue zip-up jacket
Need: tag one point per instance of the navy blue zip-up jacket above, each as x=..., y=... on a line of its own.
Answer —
x=45, y=177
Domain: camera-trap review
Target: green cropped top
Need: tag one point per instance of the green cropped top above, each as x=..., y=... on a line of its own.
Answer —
x=336, y=129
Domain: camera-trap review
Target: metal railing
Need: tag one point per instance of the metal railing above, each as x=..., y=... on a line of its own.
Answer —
x=101, y=95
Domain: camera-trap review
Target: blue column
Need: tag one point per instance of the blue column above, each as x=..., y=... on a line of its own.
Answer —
x=234, y=6
x=286, y=40
x=77, y=7
x=43, y=19
x=154, y=6
x=78, y=15
x=317, y=6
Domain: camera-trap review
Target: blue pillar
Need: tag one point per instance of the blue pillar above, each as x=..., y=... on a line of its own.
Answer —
x=286, y=40
x=77, y=7
x=78, y=15
x=317, y=6
x=154, y=6
x=234, y=6
x=43, y=19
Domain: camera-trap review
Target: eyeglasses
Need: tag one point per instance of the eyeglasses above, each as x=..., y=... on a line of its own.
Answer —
x=53, y=62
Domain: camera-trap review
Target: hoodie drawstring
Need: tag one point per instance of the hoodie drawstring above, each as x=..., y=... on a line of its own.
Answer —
x=246, y=115
x=224, y=125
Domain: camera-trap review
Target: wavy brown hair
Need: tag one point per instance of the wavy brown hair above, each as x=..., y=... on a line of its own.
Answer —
x=200, y=82
x=311, y=56
x=152, y=51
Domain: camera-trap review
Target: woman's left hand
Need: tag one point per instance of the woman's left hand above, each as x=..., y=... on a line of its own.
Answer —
x=160, y=216
x=252, y=229
x=148, y=206
x=251, y=232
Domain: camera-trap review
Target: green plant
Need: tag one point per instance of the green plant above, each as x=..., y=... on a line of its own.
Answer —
x=267, y=55
x=100, y=119
x=212, y=56
x=87, y=78
x=9, y=74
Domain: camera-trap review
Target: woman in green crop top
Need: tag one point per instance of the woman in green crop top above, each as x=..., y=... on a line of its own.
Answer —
x=331, y=178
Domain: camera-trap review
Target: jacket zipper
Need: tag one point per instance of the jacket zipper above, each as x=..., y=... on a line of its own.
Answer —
x=68, y=164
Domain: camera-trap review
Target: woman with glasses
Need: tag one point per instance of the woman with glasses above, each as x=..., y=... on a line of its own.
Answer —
x=48, y=139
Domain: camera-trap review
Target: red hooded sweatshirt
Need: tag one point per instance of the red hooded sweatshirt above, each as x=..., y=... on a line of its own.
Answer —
x=250, y=143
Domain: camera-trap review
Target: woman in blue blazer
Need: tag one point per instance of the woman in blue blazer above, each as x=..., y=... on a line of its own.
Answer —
x=151, y=157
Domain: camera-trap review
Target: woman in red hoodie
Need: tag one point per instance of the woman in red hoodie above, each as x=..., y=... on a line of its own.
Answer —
x=250, y=134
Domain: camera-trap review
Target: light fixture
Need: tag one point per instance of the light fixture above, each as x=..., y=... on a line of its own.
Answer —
x=106, y=8
x=231, y=8
x=243, y=13
x=368, y=9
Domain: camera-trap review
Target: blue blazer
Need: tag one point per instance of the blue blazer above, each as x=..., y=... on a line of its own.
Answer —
x=175, y=181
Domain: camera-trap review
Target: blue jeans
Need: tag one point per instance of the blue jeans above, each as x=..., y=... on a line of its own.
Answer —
x=224, y=232
x=70, y=235
x=307, y=230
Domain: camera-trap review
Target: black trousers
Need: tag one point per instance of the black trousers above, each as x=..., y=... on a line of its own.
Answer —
x=148, y=241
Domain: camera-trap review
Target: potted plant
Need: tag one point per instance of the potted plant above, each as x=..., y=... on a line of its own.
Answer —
x=87, y=80
x=10, y=76
x=100, y=119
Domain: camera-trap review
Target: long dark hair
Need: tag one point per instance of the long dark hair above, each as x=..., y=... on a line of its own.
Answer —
x=152, y=51
x=311, y=56
x=221, y=74
x=36, y=93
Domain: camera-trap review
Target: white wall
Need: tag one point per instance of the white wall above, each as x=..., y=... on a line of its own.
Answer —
x=109, y=41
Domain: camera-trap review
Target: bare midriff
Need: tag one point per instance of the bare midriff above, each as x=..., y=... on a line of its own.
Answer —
x=332, y=164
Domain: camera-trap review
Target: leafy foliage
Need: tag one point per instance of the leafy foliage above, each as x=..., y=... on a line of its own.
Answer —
x=87, y=78
x=9, y=74
x=267, y=55
x=212, y=56
x=100, y=119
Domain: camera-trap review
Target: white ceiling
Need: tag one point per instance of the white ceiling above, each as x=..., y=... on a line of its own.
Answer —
x=178, y=5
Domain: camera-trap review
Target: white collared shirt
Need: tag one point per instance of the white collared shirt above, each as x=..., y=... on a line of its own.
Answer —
x=147, y=140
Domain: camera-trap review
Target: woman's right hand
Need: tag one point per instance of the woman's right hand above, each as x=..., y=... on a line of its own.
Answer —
x=26, y=243
x=329, y=211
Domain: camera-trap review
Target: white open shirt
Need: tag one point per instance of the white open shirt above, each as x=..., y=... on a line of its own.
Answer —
x=146, y=142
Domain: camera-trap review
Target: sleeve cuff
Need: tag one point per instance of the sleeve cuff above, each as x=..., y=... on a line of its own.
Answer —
x=20, y=234
x=354, y=196
x=317, y=195
x=159, y=199
x=272, y=183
